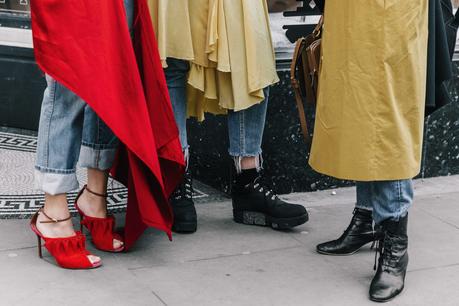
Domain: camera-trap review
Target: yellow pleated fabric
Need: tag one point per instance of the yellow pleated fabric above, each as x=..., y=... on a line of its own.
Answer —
x=229, y=43
x=370, y=109
x=173, y=31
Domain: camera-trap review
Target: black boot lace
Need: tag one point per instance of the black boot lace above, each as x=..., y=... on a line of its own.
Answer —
x=185, y=190
x=384, y=248
x=351, y=225
x=263, y=185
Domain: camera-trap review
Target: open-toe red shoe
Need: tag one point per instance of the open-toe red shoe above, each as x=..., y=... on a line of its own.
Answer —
x=69, y=252
x=101, y=229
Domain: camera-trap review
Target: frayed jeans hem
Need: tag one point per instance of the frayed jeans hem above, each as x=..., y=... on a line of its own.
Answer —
x=237, y=158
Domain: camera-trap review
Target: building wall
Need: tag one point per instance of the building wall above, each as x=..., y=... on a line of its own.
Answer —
x=285, y=153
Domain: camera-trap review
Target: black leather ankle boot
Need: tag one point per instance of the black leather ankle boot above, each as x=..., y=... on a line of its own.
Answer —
x=389, y=280
x=359, y=233
x=185, y=218
x=255, y=203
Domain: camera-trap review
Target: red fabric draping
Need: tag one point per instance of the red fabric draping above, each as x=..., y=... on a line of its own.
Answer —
x=86, y=46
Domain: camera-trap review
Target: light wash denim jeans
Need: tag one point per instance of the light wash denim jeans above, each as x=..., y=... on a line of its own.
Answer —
x=70, y=131
x=245, y=128
x=387, y=199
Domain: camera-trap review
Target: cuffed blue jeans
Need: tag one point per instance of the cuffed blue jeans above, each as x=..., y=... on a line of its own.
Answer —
x=245, y=128
x=70, y=131
x=387, y=199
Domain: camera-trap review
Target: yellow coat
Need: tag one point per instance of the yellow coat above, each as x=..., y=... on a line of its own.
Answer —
x=228, y=44
x=370, y=109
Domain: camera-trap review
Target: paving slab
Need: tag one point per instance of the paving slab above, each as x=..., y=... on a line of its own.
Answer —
x=218, y=236
x=27, y=280
x=225, y=263
x=14, y=234
x=280, y=277
x=444, y=207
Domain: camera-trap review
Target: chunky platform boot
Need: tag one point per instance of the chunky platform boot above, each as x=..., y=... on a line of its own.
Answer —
x=359, y=233
x=389, y=280
x=185, y=218
x=255, y=203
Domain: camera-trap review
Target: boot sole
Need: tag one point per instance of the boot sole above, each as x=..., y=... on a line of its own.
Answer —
x=185, y=228
x=260, y=219
x=387, y=300
x=344, y=254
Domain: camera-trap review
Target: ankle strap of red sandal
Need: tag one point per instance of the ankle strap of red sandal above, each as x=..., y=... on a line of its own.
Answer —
x=52, y=220
x=102, y=195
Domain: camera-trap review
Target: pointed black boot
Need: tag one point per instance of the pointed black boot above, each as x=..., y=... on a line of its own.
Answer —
x=359, y=233
x=255, y=203
x=389, y=280
x=185, y=218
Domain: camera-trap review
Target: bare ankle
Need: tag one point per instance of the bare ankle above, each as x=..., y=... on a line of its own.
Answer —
x=56, y=206
x=93, y=205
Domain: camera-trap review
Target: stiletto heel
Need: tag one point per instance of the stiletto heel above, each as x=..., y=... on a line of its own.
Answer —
x=101, y=229
x=69, y=252
x=40, y=254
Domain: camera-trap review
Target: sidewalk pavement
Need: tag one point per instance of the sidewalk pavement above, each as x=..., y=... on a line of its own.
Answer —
x=225, y=263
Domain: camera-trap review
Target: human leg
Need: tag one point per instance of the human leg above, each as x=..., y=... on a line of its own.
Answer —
x=391, y=201
x=185, y=218
x=58, y=147
x=360, y=231
x=254, y=201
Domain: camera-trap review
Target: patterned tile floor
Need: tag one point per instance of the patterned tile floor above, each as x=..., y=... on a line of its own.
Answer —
x=18, y=199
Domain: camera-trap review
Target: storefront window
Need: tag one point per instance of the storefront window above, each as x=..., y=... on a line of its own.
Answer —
x=282, y=45
x=15, y=13
x=15, y=23
x=276, y=6
x=14, y=6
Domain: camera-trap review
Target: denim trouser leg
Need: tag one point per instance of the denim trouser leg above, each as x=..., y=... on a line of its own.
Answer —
x=129, y=7
x=389, y=199
x=99, y=144
x=67, y=123
x=364, y=200
x=59, y=139
x=245, y=129
x=176, y=77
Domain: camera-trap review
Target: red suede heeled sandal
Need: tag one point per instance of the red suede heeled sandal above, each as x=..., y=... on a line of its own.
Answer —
x=101, y=229
x=69, y=252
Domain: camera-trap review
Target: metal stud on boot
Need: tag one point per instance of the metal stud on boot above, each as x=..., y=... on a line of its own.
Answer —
x=389, y=280
x=359, y=233
x=255, y=203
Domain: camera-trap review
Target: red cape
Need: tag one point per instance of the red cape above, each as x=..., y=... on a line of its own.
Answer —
x=86, y=46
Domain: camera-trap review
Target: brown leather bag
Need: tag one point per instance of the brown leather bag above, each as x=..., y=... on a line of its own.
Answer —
x=304, y=72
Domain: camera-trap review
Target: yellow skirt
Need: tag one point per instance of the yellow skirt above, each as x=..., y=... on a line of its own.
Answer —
x=370, y=109
x=229, y=47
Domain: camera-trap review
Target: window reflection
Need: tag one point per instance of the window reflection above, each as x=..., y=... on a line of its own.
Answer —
x=14, y=6
x=282, y=45
x=276, y=6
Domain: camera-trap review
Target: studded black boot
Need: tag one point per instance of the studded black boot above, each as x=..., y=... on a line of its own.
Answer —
x=359, y=233
x=185, y=218
x=255, y=203
x=389, y=280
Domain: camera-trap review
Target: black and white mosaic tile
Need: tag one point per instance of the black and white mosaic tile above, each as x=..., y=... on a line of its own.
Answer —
x=18, y=199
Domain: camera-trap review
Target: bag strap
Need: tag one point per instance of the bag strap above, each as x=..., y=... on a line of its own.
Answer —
x=318, y=29
x=302, y=114
x=299, y=48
